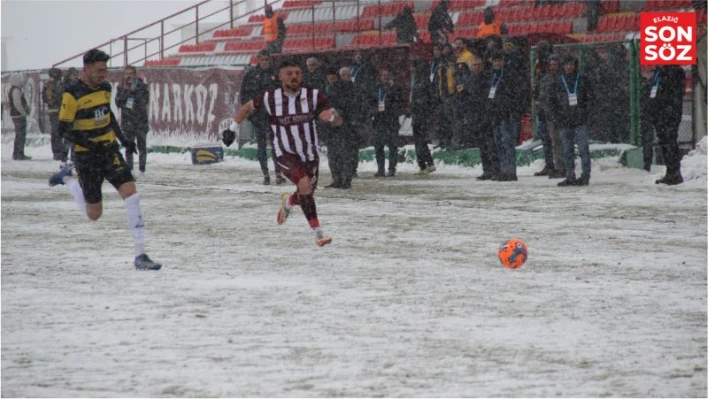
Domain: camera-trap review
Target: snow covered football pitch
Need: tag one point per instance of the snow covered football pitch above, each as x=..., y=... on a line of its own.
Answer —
x=409, y=300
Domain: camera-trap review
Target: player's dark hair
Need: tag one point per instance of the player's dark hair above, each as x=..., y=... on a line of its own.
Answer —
x=95, y=55
x=288, y=63
x=131, y=68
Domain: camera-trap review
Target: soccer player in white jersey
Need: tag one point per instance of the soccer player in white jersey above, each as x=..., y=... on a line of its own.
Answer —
x=292, y=111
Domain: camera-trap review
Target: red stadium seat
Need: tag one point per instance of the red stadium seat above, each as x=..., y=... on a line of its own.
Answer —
x=468, y=32
x=515, y=14
x=421, y=20
x=526, y=13
x=609, y=7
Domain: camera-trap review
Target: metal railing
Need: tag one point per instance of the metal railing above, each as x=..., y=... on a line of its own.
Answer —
x=159, y=40
x=139, y=45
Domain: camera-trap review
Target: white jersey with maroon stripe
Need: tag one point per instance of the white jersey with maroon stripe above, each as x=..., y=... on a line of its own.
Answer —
x=292, y=120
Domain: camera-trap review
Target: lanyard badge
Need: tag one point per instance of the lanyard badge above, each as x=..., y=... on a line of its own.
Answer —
x=572, y=97
x=655, y=86
x=382, y=101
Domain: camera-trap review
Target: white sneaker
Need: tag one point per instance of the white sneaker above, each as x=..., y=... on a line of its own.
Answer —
x=141, y=176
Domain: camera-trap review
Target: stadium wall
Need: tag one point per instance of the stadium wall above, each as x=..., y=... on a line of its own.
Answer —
x=186, y=105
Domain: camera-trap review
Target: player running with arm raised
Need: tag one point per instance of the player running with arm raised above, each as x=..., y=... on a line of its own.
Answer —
x=292, y=110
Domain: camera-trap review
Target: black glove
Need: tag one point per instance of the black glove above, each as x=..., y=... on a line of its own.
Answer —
x=129, y=147
x=228, y=136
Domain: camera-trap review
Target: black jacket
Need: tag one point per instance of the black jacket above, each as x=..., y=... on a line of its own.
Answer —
x=406, y=30
x=440, y=20
x=562, y=113
x=421, y=95
x=507, y=102
x=51, y=94
x=391, y=97
x=255, y=82
x=364, y=79
x=476, y=92
x=133, y=103
x=315, y=80
x=342, y=97
x=667, y=106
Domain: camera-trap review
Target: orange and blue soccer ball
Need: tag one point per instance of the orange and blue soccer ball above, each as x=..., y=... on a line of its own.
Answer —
x=513, y=253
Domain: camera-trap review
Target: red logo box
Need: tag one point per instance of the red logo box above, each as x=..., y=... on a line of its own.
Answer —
x=668, y=38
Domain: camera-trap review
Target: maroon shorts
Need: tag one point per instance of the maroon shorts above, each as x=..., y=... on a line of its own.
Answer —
x=292, y=167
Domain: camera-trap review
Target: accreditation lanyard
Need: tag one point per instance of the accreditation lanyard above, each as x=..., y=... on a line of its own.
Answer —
x=572, y=97
x=382, y=100
x=356, y=71
x=410, y=97
x=495, y=84
x=655, y=86
x=433, y=70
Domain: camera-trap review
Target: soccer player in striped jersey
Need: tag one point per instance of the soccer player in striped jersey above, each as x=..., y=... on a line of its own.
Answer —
x=292, y=110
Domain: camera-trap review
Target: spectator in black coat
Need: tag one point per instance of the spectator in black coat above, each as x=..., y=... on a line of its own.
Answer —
x=358, y=119
x=386, y=123
x=570, y=105
x=51, y=96
x=504, y=106
x=133, y=99
x=406, y=31
x=440, y=24
x=363, y=75
x=662, y=108
x=313, y=75
x=436, y=104
x=550, y=135
x=445, y=90
x=256, y=81
x=419, y=106
x=543, y=51
x=341, y=140
x=477, y=89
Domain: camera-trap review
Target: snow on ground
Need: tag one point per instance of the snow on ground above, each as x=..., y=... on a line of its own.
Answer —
x=409, y=300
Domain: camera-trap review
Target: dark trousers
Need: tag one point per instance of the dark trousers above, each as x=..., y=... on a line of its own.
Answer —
x=276, y=46
x=420, y=126
x=140, y=136
x=447, y=115
x=545, y=135
x=459, y=128
x=362, y=131
x=341, y=146
x=261, y=133
x=506, y=133
x=386, y=138
x=20, y=137
x=667, y=133
x=487, y=149
x=60, y=148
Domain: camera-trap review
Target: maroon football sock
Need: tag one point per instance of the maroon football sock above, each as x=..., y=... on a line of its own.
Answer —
x=307, y=203
x=294, y=199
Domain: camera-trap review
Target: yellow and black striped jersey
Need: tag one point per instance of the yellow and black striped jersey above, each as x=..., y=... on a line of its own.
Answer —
x=89, y=109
